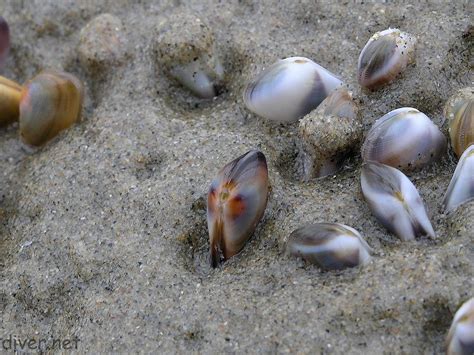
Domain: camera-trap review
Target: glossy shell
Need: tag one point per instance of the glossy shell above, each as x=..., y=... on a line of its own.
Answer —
x=4, y=42
x=459, y=111
x=405, y=139
x=328, y=134
x=50, y=103
x=235, y=204
x=395, y=201
x=384, y=57
x=460, y=340
x=331, y=246
x=289, y=89
x=461, y=187
x=10, y=94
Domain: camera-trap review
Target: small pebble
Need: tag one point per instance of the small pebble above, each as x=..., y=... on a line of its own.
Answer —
x=102, y=43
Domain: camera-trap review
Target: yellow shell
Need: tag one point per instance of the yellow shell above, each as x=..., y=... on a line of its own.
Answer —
x=459, y=111
x=10, y=93
x=50, y=103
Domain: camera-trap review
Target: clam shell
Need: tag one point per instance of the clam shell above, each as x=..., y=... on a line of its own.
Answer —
x=404, y=138
x=327, y=135
x=50, y=103
x=461, y=187
x=331, y=246
x=395, y=201
x=4, y=42
x=460, y=340
x=384, y=57
x=459, y=111
x=187, y=52
x=235, y=204
x=289, y=89
x=10, y=94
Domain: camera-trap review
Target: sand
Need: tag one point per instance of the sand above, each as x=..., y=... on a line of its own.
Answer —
x=103, y=234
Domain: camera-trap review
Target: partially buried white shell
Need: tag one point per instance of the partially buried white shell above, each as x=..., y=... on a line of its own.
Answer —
x=461, y=187
x=289, y=89
x=395, y=201
x=460, y=340
x=331, y=246
x=404, y=138
x=384, y=57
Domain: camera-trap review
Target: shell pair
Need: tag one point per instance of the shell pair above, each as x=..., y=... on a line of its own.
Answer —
x=45, y=105
x=384, y=57
x=289, y=89
x=236, y=202
x=331, y=246
x=395, y=201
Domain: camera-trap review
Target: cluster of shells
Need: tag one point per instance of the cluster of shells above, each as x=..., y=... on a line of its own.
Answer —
x=294, y=89
x=403, y=140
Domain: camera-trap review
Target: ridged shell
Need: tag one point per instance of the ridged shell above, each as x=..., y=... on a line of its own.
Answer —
x=459, y=111
x=327, y=134
x=384, y=57
x=331, y=246
x=461, y=187
x=235, y=204
x=404, y=138
x=395, y=201
x=289, y=89
x=4, y=42
x=50, y=103
x=460, y=340
x=10, y=94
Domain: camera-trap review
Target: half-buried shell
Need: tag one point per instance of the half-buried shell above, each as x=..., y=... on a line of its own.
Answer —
x=289, y=89
x=395, y=201
x=404, y=138
x=50, y=103
x=235, y=204
x=331, y=246
x=384, y=57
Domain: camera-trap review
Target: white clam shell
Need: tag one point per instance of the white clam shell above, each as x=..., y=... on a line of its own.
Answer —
x=461, y=186
x=329, y=245
x=395, y=201
x=386, y=55
x=460, y=339
x=289, y=89
x=404, y=138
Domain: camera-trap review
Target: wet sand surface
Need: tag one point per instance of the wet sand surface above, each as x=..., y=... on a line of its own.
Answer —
x=103, y=232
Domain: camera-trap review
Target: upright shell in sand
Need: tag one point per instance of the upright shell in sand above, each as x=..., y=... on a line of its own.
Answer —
x=461, y=186
x=289, y=89
x=404, y=138
x=460, y=340
x=235, y=204
x=459, y=111
x=50, y=103
x=384, y=57
x=395, y=201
